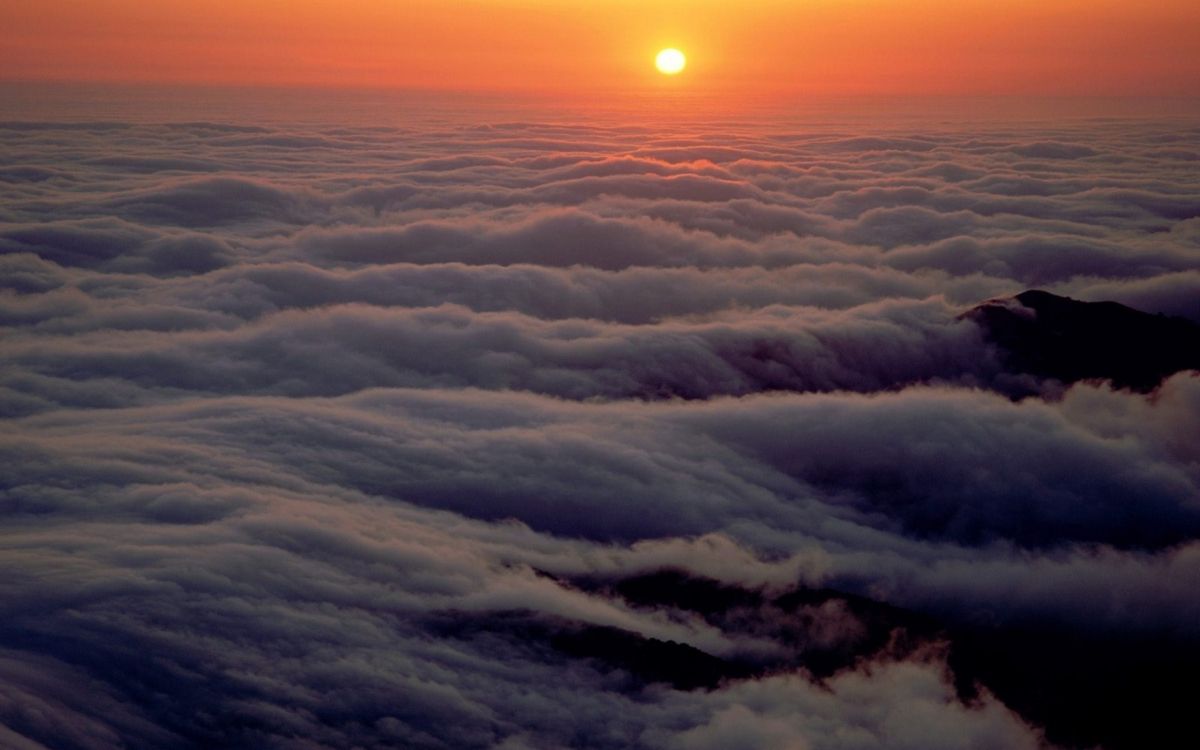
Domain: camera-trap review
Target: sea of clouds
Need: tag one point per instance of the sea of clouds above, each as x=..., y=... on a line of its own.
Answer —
x=314, y=436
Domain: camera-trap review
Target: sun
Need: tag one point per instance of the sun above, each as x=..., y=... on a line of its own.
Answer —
x=670, y=61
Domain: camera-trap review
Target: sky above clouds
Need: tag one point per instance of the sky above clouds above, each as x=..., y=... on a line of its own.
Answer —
x=353, y=434
x=767, y=48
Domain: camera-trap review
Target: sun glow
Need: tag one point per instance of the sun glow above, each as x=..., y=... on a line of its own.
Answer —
x=670, y=61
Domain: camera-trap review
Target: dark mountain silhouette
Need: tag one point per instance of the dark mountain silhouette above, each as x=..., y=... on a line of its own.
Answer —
x=1085, y=689
x=1057, y=337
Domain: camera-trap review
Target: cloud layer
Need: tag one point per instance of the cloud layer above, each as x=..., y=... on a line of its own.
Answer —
x=331, y=437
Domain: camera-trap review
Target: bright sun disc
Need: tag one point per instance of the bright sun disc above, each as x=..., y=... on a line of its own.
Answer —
x=670, y=61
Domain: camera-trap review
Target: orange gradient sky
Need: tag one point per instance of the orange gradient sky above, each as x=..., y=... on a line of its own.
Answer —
x=837, y=47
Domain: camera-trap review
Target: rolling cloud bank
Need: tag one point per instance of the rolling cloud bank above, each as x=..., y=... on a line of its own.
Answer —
x=549, y=435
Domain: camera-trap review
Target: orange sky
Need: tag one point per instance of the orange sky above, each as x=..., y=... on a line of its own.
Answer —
x=755, y=46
